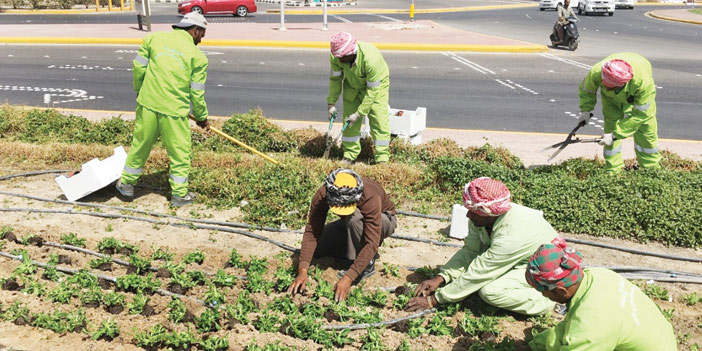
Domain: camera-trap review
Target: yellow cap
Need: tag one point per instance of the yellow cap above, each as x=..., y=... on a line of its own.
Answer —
x=344, y=180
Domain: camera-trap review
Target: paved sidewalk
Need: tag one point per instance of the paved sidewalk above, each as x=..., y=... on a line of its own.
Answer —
x=418, y=36
x=677, y=15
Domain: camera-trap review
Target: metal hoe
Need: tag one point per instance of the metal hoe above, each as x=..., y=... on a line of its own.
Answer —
x=240, y=143
x=569, y=140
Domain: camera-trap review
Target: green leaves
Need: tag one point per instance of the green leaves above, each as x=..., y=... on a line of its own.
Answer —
x=73, y=239
x=194, y=257
x=474, y=326
x=176, y=310
x=108, y=330
x=208, y=321
x=137, y=305
x=138, y=284
x=372, y=341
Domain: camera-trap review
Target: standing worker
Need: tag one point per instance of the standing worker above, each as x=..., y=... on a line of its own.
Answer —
x=628, y=97
x=169, y=77
x=367, y=218
x=605, y=311
x=366, y=86
x=501, y=238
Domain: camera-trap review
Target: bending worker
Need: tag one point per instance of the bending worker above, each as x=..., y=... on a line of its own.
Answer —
x=628, y=97
x=169, y=76
x=501, y=238
x=605, y=311
x=366, y=88
x=367, y=218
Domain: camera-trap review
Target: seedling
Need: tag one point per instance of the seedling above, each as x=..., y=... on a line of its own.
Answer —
x=108, y=330
x=35, y=288
x=91, y=297
x=267, y=322
x=224, y=279
x=26, y=267
x=62, y=294
x=372, y=341
x=427, y=271
x=284, y=276
x=400, y=302
x=194, y=257
x=257, y=265
x=84, y=279
x=507, y=344
x=138, y=284
x=283, y=305
x=102, y=263
x=176, y=310
x=379, y=298
x=439, y=326
x=415, y=328
x=162, y=254
x=114, y=302
x=391, y=270
x=180, y=340
x=668, y=314
x=215, y=343
x=73, y=240
x=182, y=280
x=50, y=273
x=213, y=297
x=256, y=283
x=137, y=305
x=473, y=326
x=275, y=346
x=151, y=339
x=109, y=228
x=197, y=277
x=404, y=346
x=656, y=292
x=17, y=312
x=138, y=264
x=235, y=260
x=692, y=299
x=208, y=321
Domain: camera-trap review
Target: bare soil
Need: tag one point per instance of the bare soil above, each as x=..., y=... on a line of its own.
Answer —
x=687, y=320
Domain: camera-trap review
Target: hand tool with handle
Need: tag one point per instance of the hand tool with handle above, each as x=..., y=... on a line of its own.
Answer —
x=236, y=141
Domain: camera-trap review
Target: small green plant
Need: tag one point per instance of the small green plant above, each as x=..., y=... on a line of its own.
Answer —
x=656, y=292
x=138, y=264
x=257, y=283
x=151, y=339
x=284, y=277
x=507, y=344
x=224, y=279
x=214, y=343
x=257, y=265
x=84, y=279
x=692, y=299
x=92, y=296
x=235, y=260
x=400, y=302
x=112, y=299
x=137, y=305
x=94, y=264
x=427, y=271
x=109, y=228
x=138, y=284
x=372, y=341
x=267, y=322
x=208, y=321
x=404, y=346
x=182, y=340
x=390, y=269
x=194, y=257
x=162, y=254
x=62, y=294
x=183, y=280
x=274, y=346
x=283, y=305
x=415, y=328
x=213, y=297
x=51, y=273
x=473, y=326
x=25, y=239
x=176, y=310
x=35, y=288
x=668, y=314
x=73, y=240
x=108, y=330
x=197, y=277
x=61, y=322
x=15, y=311
x=27, y=267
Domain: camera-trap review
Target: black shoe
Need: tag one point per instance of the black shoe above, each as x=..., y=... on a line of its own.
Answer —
x=179, y=201
x=126, y=190
x=369, y=271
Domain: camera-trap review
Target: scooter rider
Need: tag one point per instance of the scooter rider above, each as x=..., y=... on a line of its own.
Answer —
x=564, y=13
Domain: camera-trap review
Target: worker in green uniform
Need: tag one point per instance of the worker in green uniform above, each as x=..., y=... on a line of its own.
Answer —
x=605, y=311
x=628, y=97
x=501, y=238
x=366, y=88
x=169, y=74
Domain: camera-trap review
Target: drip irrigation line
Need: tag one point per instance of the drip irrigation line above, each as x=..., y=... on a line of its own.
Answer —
x=422, y=240
x=186, y=225
x=634, y=251
x=91, y=252
x=378, y=324
x=27, y=174
x=98, y=275
x=421, y=215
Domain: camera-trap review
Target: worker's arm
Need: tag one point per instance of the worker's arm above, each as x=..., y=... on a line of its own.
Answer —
x=644, y=99
x=374, y=78
x=197, y=87
x=460, y=261
x=336, y=77
x=140, y=63
x=505, y=251
x=315, y=224
x=588, y=88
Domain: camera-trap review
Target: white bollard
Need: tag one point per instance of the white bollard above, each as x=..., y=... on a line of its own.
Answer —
x=324, y=16
x=282, y=16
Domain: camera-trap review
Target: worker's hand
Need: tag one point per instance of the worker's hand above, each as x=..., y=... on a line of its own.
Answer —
x=607, y=139
x=298, y=286
x=203, y=124
x=584, y=117
x=421, y=303
x=332, y=110
x=352, y=119
x=428, y=287
x=341, y=288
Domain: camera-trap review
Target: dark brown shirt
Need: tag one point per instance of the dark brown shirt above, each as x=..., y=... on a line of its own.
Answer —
x=372, y=204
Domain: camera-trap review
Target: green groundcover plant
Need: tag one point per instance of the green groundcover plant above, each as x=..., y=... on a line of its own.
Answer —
x=576, y=196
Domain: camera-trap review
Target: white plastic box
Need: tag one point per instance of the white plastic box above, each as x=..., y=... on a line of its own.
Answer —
x=94, y=175
x=459, y=222
x=408, y=125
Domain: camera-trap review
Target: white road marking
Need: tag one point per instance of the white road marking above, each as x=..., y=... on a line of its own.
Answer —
x=468, y=63
x=341, y=19
x=458, y=69
x=522, y=87
x=385, y=17
x=300, y=64
x=69, y=95
x=505, y=84
x=85, y=57
x=133, y=51
x=224, y=61
x=262, y=63
x=10, y=55
x=565, y=60
x=527, y=16
x=86, y=67
x=415, y=67
x=47, y=56
x=552, y=100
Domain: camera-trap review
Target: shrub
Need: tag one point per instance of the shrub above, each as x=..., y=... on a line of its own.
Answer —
x=256, y=131
x=65, y=4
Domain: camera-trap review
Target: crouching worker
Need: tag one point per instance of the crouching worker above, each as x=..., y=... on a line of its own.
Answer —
x=605, y=311
x=367, y=217
x=501, y=238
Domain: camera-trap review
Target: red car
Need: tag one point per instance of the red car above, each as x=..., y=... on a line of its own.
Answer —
x=211, y=7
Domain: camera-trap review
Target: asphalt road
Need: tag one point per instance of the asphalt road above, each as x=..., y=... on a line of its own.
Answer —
x=514, y=92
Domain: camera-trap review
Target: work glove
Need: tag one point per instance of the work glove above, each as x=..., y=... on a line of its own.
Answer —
x=203, y=124
x=352, y=119
x=332, y=110
x=607, y=139
x=584, y=117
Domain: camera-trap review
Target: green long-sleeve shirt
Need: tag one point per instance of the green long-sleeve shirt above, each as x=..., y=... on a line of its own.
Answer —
x=169, y=74
x=368, y=75
x=608, y=313
x=637, y=97
x=515, y=237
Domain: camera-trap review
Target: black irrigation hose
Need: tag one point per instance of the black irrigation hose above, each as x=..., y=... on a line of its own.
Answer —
x=421, y=215
x=422, y=240
x=100, y=276
x=10, y=176
x=187, y=225
x=634, y=251
x=91, y=252
x=378, y=324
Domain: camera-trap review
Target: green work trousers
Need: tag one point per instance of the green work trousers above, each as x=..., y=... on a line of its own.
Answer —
x=645, y=136
x=512, y=292
x=379, y=121
x=175, y=137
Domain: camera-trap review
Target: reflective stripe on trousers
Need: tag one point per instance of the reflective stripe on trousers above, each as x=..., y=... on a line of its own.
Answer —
x=613, y=151
x=141, y=60
x=645, y=150
x=133, y=170
x=382, y=142
x=178, y=179
x=353, y=139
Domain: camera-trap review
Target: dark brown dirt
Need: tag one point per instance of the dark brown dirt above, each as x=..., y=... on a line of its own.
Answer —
x=106, y=284
x=148, y=311
x=126, y=251
x=36, y=241
x=93, y=304
x=116, y=309
x=163, y=273
x=131, y=269
x=331, y=316
x=108, y=251
x=10, y=284
x=64, y=259
x=176, y=288
x=105, y=266
x=21, y=321
x=10, y=236
x=402, y=290
x=189, y=317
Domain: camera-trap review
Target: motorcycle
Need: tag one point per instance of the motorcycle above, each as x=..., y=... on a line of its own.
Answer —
x=570, y=35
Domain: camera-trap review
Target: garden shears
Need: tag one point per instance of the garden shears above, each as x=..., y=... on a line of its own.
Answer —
x=571, y=139
x=332, y=141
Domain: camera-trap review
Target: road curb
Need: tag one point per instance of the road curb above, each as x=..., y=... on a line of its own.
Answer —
x=62, y=12
x=386, y=11
x=526, y=48
x=666, y=18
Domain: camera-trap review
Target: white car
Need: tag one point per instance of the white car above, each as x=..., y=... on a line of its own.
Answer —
x=624, y=4
x=552, y=4
x=596, y=6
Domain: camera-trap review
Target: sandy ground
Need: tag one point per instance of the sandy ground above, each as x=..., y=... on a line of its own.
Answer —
x=217, y=245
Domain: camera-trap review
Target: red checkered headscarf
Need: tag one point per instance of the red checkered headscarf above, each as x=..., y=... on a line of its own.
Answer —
x=343, y=44
x=486, y=197
x=616, y=73
x=555, y=264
